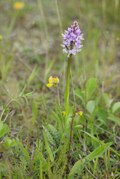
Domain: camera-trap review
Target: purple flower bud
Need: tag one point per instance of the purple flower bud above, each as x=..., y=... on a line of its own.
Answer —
x=72, y=39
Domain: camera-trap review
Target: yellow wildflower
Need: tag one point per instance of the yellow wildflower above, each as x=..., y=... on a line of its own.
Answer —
x=80, y=113
x=19, y=5
x=1, y=37
x=49, y=85
x=52, y=81
x=64, y=113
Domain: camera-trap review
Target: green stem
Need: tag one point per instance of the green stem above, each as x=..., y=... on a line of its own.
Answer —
x=67, y=89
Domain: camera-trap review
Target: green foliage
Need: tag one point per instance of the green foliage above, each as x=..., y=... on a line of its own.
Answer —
x=114, y=119
x=116, y=107
x=90, y=106
x=36, y=139
x=9, y=143
x=4, y=129
x=90, y=87
x=49, y=151
x=79, y=165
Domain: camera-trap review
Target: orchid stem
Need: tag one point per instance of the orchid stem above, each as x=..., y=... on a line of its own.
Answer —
x=67, y=89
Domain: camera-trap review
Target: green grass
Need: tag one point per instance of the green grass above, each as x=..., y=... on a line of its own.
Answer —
x=36, y=139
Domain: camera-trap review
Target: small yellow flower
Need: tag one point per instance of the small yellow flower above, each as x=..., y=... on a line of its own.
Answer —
x=52, y=81
x=64, y=113
x=49, y=85
x=56, y=80
x=80, y=113
x=1, y=37
x=19, y=5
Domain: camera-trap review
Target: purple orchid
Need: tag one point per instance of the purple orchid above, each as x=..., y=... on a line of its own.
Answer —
x=72, y=39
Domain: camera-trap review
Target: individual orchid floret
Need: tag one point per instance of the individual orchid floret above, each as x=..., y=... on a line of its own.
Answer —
x=72, y=39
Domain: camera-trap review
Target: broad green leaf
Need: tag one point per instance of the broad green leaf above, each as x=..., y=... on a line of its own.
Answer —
x=90, y=87
x=80, y=94
x=4, y=129
x=98, y=152
x=9, y=142
x=90, y=106
x=115, y=107
x=114, y=119
x=79, y=165
x=108, y=101
x=101, y=142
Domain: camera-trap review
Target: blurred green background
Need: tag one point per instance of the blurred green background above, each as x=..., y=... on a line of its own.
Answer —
x=34, y=35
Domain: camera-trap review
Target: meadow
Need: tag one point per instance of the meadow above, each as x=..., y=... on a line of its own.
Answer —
x=59, y=120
